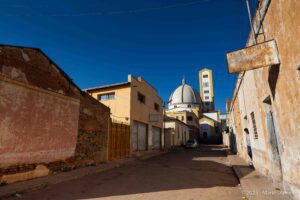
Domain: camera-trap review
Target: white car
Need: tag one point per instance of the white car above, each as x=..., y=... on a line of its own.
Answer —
x=191, y=143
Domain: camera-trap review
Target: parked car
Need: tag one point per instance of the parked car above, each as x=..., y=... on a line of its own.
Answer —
x=191, y=143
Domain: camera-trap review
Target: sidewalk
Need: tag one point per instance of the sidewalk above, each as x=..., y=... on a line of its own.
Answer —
x=255, y=185
x=39, y=183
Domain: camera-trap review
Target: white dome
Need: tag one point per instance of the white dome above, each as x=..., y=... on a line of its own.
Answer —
x=184, y=95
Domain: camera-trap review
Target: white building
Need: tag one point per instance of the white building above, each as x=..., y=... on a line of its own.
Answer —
x=185, y=105
x=176, y=132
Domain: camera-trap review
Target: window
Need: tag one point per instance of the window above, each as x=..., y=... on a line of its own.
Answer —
x=141, y=98
x=254, y=125
x=189, y=118
x=205, y=76
x=189, y=106
x=156, y=106
x=107, y=96
x=205, y=84
x=182, y=118
x=206, y=97
x=206, y=92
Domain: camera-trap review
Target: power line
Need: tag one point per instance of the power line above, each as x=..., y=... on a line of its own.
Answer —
x=97, y=13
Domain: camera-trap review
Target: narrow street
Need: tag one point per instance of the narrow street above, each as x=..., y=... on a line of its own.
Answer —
x=182, y=174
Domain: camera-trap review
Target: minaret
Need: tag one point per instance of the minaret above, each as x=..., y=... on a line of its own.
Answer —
x=206, y=90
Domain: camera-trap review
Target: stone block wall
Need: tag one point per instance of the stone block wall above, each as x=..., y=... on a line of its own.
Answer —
x=93, y=130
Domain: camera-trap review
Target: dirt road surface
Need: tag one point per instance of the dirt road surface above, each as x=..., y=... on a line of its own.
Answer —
x=178, y=175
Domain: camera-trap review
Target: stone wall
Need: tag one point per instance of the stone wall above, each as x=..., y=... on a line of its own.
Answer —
x=93, y=131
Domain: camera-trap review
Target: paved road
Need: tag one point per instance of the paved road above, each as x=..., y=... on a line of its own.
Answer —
x=183, y=174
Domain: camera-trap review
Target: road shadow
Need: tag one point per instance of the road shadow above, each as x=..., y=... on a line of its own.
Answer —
x=183, y=169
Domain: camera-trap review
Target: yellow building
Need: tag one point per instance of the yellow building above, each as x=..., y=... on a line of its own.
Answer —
x=189, y=118
x=136, y=103
x=206, y=89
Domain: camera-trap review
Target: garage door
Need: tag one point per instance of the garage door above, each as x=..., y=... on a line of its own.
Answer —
x=139, y=136
x=156, y=137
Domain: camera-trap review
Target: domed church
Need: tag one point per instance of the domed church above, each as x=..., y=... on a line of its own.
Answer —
x=184, y=98
x=185, y=106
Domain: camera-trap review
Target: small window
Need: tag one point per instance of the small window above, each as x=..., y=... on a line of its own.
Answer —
x=141, y=98
x=205, y=84
x=189, y=106
x=182, y=118
x=206, y=92
x=206, y=97
x=205, y=76
x=156, y=106
x=254, y=125
x=207, y=104
x=108, y=96
x=189, y=118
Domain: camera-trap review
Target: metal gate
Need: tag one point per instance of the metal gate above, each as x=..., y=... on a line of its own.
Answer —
x=139, y=136
x=118, y=141
x=156, y=137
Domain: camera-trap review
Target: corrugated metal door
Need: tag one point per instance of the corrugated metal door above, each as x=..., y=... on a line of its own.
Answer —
x=142, y=137
x=156, y=137
x=134, y=137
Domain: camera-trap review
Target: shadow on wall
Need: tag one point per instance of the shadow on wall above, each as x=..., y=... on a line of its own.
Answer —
x=273, y=77
x=173, y=171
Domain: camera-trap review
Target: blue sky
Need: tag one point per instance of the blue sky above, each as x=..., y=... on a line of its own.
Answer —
x=99, y=42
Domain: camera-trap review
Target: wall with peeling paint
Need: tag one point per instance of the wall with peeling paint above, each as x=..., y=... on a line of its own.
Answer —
x=277, y=89
x=39, y=106
x=36, y=125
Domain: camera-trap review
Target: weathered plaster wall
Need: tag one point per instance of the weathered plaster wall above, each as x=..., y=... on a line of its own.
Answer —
x=36, y=125
x=178, y=135
x=32, y=66
x=282, y=84
x=93, y=131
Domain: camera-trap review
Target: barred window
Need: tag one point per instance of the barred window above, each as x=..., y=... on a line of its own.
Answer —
x=254, y=125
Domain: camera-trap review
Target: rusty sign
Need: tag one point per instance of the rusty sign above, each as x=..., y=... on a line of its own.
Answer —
x=253, y=57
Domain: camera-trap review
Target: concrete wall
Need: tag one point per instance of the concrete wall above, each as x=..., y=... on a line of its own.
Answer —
x=282, y=84
x=36, y=125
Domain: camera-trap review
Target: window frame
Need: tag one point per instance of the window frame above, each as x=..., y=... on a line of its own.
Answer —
x=141, y=97
x=109, y=96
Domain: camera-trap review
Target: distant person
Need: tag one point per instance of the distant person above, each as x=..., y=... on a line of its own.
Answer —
x=249, y=150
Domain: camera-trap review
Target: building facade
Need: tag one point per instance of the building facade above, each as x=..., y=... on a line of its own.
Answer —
x=39, y=106
x=45, y=117
x=136, y=103
x=185, y=105
x=206, y=89
x=209, y=127
x=266, y=99
x=176, y=132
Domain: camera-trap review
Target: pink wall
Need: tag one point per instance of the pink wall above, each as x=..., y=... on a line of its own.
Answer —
x=36, y=125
